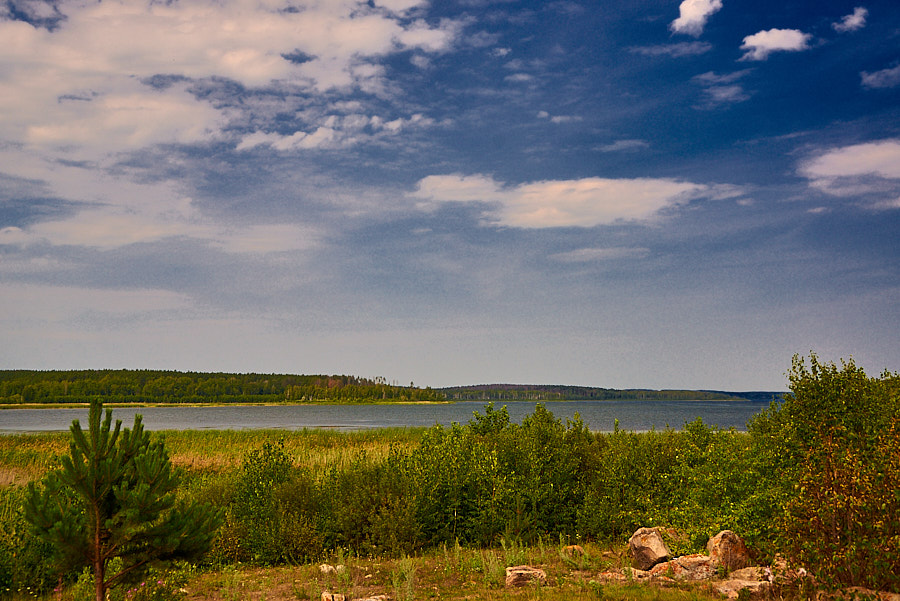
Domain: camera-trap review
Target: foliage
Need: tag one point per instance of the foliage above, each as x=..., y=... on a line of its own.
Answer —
x=113, y=497
x=693, y=480
x=23, y=564
x=835, y=445
x=149, y=386
x=267, y=519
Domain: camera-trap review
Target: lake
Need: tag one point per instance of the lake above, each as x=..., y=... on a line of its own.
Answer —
x=597, y=415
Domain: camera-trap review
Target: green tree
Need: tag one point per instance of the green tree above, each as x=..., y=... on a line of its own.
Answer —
x=114, y=497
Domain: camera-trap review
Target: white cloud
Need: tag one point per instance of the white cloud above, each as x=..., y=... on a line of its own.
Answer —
x=866, y=169
x=886, y=78
x=79, y=83
x=589, y=255
x=693, y=16
x=852, y=22
x=399, y=6
x=873, y=158
x=584, y=202
x=759, y=46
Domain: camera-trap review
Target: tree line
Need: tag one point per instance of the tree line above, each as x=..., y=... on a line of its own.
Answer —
x=535, y=392
x=154, y=386
x=150, y=386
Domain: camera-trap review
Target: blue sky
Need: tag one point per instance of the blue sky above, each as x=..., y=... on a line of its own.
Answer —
x=621, y=194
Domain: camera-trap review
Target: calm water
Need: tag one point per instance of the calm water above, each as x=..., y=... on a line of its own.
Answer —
x=597, y=415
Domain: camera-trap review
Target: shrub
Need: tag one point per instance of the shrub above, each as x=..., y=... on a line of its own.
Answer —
x=835, y=447
x=266, y=519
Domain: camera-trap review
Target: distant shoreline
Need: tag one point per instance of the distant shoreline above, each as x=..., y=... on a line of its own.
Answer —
x=115, y=405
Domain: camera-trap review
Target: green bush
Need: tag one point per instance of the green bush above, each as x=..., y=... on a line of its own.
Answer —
x=369, y=506
x=835, y=446
x=24, y=559
x=254, y=521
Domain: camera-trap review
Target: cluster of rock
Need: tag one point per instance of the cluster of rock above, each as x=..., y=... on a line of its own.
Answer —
x=727, y=557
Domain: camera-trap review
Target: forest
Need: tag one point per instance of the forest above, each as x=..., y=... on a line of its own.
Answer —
x=149, y=386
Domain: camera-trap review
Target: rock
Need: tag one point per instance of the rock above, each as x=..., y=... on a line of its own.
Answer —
x=753, y=573
x=732, y=588
x=330, y=569
x=858, y=592
x=375, y=598
x=687, y=567
x=647, y=548
x=727, y=550
x=522, y=575
x=326, y=596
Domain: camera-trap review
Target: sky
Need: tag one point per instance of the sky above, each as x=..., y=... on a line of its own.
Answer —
x=627, y=193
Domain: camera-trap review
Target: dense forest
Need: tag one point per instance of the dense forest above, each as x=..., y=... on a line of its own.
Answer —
x=150, y=386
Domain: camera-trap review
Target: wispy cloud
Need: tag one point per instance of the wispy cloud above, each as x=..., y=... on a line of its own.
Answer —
x=590, y=255
x=693, y=15
x=674, y=50
x=584, y=202
x=852, y=22
x=870, y=171
x=760, y=45
x=335, y=131
x=721, y=89
x=101, y=54
x=558, y=118
x=886, y=78
x=630, y=145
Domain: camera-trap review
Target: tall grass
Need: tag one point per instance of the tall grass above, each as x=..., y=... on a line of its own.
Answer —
x=24, y=457
x=312, y=450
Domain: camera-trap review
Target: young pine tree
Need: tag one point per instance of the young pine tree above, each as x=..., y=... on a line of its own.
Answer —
x=114, y=496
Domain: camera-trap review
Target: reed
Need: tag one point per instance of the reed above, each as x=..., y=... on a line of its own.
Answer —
x=313, y=450
x=25, y=457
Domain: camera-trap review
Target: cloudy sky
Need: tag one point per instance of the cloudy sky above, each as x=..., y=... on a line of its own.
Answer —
x=627, y=193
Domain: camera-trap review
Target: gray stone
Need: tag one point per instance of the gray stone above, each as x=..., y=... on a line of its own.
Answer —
x=686, y=567
x=727, y=550
x=733, y=587
x=647, y=548
x=522, y=575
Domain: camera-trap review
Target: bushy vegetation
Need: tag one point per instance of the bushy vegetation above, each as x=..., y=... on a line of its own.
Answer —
x=833, y=452
x=816, y=478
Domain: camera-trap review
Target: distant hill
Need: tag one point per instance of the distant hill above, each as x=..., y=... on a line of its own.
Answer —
x=537, y=392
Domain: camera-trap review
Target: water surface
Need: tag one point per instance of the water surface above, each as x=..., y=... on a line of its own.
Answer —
x=597, y=415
